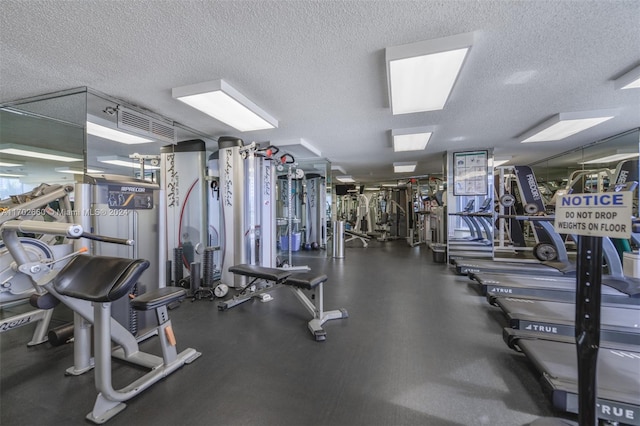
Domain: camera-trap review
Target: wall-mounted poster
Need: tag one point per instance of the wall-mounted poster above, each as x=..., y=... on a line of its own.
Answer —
x=470, y=173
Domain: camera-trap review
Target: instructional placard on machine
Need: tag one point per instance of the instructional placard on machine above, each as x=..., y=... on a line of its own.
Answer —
x=470, y=173
x=129, y=197
x=606, y=214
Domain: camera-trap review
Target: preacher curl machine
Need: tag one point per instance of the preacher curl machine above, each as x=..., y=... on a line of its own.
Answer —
x=88, y=285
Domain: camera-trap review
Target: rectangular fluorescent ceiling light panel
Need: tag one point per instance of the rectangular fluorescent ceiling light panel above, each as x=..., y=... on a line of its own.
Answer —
x=612, y=158
x=406, y=167
x=410, y=139
x=563, y=125
x=10, y=175
x=40, y=153
x=114, y=135
x=76, y=171
x=630, y=80
x=125, y=162
x=421, y=75
x=345, y=179
x=224, y=103
x=10, y=164
x=499, y=160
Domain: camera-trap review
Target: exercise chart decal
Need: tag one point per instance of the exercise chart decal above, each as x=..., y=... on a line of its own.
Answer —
x=470, y=173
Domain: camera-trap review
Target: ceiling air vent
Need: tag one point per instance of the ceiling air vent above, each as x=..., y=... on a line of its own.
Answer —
x=142, y=125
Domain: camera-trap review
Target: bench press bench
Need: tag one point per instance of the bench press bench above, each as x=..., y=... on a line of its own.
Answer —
x=275, y=278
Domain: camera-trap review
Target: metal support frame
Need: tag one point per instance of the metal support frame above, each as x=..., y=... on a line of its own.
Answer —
x=589, y=283
x=316, y=310
x=42, y=318
x=246, y=295
x=109, y=401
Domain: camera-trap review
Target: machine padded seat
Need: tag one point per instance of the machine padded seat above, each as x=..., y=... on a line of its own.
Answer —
x=158, y=297
x=306, y=280
x=254, y=271
x=99, y=278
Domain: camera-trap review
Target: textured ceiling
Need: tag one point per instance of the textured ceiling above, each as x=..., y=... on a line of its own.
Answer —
x=318, y=67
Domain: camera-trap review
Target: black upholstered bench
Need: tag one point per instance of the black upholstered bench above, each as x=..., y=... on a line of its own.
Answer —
x=297, y=282
x=260, y=272
x=306, y=280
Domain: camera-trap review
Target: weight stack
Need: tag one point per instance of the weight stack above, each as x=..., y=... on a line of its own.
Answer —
x=208, y=267
x=178, y=269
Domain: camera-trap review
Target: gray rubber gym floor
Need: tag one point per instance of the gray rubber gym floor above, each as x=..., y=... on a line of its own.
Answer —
x=420, y=347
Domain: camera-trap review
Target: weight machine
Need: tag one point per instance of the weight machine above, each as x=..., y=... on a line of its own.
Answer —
x=15, y=286
x=111, y=278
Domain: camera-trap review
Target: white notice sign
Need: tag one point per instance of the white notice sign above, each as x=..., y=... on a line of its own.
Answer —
x=606, y=214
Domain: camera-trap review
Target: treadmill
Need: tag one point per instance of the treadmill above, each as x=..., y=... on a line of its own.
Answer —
x=561, y=265
x=618, y=323
x=479, y=226
x=618, y=380
x=616, y=288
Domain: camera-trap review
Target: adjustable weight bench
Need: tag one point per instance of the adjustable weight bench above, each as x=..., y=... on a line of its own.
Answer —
x=296, y=282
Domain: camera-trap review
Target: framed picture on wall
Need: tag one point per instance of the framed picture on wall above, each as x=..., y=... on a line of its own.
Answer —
x=470, y=173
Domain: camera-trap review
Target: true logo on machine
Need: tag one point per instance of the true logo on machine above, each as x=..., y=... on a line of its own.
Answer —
x=501, y=290
x=611, y=412
x=542, y=328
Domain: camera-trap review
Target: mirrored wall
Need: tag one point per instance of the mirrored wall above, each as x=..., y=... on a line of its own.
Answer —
x=56, y=138
x=591, y=168
x=42, y=139
x=303, y=208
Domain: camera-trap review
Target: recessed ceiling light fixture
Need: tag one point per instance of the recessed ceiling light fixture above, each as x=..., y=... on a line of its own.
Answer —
x=421, y=75
x=404, y=167
x=10, y=164
x=124, y=162
x=415, y=139
x=345, y=179
x=566, y=124
x=499, y=160
x=224, y=103
x=612, y=158
x=10, y=175
x=630, y=80
x=76, y=170
x=40, y=153
x=113, y=134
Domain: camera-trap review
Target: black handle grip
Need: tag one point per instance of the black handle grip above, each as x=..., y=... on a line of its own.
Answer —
x=105, y=239
x=287, y=159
